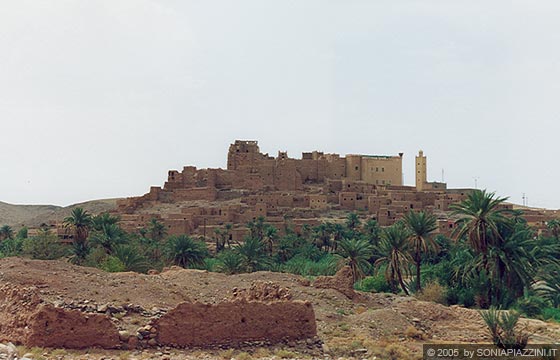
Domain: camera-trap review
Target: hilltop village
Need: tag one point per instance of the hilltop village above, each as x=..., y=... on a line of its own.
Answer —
x=288, y=192
x=292, y=192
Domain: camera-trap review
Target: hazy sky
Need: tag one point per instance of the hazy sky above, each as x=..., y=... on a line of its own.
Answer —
x=100, y=98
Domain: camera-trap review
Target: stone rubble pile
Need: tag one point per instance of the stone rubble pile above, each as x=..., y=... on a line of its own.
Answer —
x=262, y=291
x=89, y=306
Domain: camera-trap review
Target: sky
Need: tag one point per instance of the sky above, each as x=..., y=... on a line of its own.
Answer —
x=100, y=98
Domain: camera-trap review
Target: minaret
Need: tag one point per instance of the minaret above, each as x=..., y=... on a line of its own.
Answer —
x=421, y=173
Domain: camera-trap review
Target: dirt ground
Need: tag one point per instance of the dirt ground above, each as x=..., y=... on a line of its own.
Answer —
x=369, y=326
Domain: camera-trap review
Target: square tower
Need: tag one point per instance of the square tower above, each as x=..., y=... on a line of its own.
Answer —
x=421, y=173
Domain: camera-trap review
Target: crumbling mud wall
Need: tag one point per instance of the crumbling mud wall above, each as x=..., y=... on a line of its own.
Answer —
x=56, y=327
x=27, y=320
x=233, y=323
x=342, y=281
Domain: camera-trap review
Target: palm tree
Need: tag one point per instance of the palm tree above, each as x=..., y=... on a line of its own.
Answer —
x=421, y=225
x=256, y=228
x=339, y=232
x=220, y=239
x=104, y=219
x=131, y=258
x=6, y=233
x=479, y=218
x=352, y=221
x=227, y=230
x=270, y=237
x=80, y=222
x=394, y=254
x=554, y=228
x=514, y=264
x=156, y=229
x=253, y=253
x=357, y=252
x=109, y=235
x=372, y=231
x=230, y=262
x=184, y=251
x=322, y=236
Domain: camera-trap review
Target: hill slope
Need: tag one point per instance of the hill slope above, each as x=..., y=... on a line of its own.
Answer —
x=34, y=215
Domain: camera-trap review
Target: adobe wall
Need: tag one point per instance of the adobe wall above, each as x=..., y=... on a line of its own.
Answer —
x=317, y=201
x=236, y=322
x=27, y=320
x=381, y=170
x=199, y=193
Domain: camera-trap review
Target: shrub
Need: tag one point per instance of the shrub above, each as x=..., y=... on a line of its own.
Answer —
x=551, y=314
x=413, y=333
x=397, y=352
x=209, y=264
x=112, y=264
x=531, y=306
x=44, y=246
x=463, y=296
x=434, y=292
x=326, y=265
x=376, y=283
x=11, y=247
x=95, y=257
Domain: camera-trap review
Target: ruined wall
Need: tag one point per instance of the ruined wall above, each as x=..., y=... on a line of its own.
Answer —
x=342, y=281
x=232, y=323
x=26, y=320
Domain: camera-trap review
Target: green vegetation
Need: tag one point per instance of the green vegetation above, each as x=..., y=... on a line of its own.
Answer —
x=493, y=260
x=501, y=325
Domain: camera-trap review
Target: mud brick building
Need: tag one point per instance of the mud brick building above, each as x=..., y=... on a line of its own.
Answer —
x=284, y=190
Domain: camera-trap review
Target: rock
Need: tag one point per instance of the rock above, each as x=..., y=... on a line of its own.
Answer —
x=152, y=342
x=132, y=342
x=124, y=335
x=102, y=308
x=9, y=350
x=360, y=351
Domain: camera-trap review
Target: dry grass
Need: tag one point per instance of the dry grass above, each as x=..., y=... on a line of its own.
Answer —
x=433, y=292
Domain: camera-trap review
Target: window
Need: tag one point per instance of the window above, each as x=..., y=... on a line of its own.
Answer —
x=382, y=169
x=356, y=168
x=376, y=169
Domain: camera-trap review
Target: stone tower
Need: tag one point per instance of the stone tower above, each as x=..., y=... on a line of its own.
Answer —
x=243, y=153
x=421, y=173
